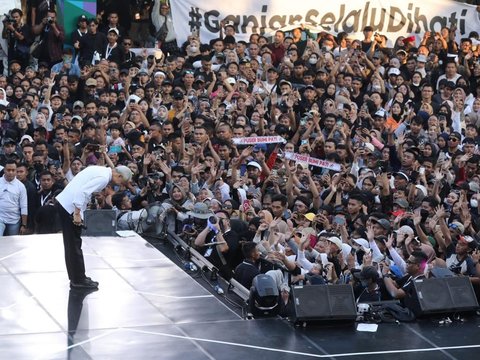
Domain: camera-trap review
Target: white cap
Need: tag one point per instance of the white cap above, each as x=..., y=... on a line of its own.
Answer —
x=362, y=242
x=254, y=164
x=393, y=71
x=26, y=137
x=336, y=241
x=405, y=229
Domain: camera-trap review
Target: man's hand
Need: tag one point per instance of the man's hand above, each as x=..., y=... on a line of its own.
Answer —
x=77, y=219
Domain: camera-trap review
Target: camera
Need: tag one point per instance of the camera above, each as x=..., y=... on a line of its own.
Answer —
x=213, y=220
x=50, y=20
x=8, y=19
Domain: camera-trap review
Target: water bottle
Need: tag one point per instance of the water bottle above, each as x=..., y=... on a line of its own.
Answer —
x=219, y=290
x=189, y=266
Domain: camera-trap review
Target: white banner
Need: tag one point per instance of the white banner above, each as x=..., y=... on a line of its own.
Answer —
x=313, y=161
x=392, y=18
x=259, y=140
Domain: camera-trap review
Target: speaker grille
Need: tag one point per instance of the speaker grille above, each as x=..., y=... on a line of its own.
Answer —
x=324, y=302
x=100, y=223
x=445, y=294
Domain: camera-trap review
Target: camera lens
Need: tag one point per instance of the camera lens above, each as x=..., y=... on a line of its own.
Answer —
x=212, y=219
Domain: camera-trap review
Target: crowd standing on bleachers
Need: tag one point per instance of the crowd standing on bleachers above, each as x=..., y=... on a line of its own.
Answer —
x=401, y=123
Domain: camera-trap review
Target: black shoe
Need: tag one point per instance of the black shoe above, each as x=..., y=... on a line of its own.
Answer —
x=90, y=279
x=87, y=283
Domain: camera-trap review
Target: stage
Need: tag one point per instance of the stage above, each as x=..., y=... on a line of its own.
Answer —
x=149, y=308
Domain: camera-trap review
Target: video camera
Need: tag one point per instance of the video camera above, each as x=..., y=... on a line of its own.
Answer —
x=8, y=19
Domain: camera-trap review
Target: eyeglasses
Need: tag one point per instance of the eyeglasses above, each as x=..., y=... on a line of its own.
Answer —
x=227, y=207
x=127, y=44
x=452, y=139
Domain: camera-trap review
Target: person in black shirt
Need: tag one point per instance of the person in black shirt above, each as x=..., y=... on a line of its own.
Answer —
x=223, y=243
x=248, y=269
x=369, y=291
x=404, y=289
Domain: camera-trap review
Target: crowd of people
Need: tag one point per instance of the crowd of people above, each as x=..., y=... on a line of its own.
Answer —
x=398, y=120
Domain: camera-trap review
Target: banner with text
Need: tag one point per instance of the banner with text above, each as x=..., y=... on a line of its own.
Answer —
x=313, y=161
x=392, y=18
x=259, y=140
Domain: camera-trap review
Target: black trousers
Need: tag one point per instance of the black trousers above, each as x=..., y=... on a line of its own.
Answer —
x=72, y=243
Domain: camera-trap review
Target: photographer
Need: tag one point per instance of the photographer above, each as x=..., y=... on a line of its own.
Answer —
x=18, y=37
x=52, y=36
x=219, y=243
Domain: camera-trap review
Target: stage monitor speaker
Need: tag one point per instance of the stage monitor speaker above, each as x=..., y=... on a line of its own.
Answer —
x=324, y=303
x=100, y=223
x=448, y=294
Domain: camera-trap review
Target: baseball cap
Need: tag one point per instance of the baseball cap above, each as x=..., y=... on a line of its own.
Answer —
x=368, y=272
x=254, y=164
x=78, y=104
x=91, y=82
x=402, y=174
x=384, y=223
x=178, y=95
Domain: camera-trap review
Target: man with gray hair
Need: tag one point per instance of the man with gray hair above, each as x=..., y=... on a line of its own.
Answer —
x=72, y=202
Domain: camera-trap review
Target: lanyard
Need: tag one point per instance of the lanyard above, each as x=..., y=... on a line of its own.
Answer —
x=109, y=50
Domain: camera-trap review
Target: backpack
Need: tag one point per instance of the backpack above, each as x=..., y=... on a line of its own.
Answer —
x=394, y=311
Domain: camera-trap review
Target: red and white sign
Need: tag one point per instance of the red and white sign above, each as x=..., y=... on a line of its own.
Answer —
x=259, y=140
x=313, y=161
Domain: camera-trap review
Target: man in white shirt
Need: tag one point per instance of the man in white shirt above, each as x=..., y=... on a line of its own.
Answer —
x=13, y=197
x=73, y=201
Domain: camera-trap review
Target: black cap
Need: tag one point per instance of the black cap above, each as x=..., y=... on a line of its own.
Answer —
x=178, y=95
x=368, y=272
x=456, y=134
x=450, y=84
x=8, y=141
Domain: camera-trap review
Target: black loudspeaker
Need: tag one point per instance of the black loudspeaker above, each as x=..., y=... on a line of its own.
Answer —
x=264, y=294
x=100, y=223
x=448, y=294
x=324, y=303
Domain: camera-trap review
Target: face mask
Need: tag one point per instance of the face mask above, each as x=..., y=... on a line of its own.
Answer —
x=376, y=88
x=193, y=49
x=416, y=83
x=474, y=203
x=312, y=60
x=364, y=283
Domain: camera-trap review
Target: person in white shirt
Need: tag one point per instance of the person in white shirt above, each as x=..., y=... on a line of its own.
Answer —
x=13, y=197
x=72, y=202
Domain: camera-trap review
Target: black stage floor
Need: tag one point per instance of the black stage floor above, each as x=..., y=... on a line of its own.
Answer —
x=148, y=308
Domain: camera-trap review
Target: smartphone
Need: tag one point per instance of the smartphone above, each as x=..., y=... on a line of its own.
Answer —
x=421, y=170
x=340, y=220
x=304, y=142
x=93, y=147
x=222, y=164
x=312, y=240
x=287, y=215
x=115, y=149
x=246, y=205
